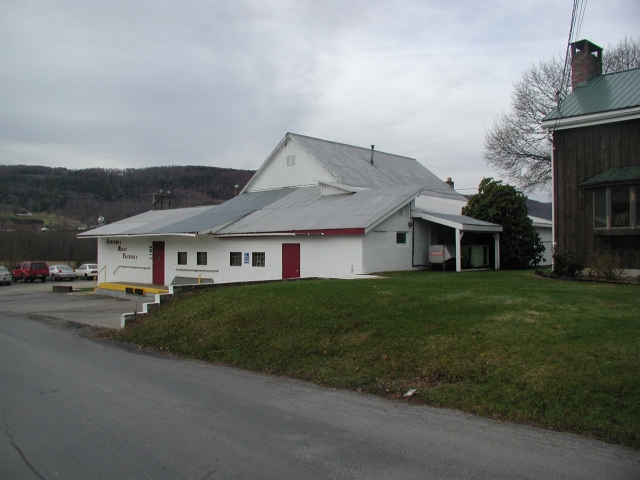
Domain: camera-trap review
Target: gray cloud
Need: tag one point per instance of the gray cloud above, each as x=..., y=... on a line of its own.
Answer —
x=141, y=83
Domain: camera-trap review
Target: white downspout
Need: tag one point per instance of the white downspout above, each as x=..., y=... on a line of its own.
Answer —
x=553, y=197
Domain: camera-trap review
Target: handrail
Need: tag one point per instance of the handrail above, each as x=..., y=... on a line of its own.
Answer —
x=129, y=266
x=95, y=279
x=194, y=270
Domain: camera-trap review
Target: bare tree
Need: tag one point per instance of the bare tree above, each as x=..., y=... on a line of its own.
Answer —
x=623, y=56
x=516, y=144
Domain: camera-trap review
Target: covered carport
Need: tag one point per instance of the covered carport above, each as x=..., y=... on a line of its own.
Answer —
x=466, y=239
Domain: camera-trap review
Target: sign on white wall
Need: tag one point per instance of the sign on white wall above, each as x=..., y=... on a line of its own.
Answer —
x=121, y=248
x=246, y=258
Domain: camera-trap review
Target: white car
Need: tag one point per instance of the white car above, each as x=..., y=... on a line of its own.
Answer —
x=87, y=270
x=5, y=276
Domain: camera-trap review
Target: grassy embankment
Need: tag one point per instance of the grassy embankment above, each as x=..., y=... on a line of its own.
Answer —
x=39, y=219
x=506, y=345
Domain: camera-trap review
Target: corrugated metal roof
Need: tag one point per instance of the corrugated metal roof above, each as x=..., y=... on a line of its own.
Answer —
x=351, y=165
x=306, y=209
x=230, y=210
x=541, y=222
x=463, y=220
x=342, y=186
x=451, y=206
x=191, y=220
x=150, y=220
x=613, y=91
x=612, y=175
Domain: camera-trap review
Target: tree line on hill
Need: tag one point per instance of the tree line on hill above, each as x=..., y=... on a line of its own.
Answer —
x=115, y=194
x=53, y=246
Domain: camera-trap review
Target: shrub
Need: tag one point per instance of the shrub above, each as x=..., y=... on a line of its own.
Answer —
x=566, y=265
x=520, y=244
x=604, y=265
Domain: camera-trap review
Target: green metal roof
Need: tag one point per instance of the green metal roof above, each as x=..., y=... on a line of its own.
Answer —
x=613, y=91
x=614, y=175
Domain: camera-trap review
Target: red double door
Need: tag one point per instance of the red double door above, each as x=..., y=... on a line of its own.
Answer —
x=290, y=260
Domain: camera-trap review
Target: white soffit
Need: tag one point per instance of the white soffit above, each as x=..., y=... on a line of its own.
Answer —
x=462, y=223
x=593, y=119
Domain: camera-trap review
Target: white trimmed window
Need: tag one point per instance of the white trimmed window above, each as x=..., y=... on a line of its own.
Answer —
x=258, y=259
x=235, y=259
x=401, y=238
x=182, y=258
x=291, y=160
x=616, y=207
x=201, y=258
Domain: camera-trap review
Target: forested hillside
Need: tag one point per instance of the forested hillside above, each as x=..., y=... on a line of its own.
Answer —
x=539, y=209
x=84, y=195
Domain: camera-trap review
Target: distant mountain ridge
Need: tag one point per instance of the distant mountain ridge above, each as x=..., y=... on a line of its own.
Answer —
x=86, y=194
x=114, y=194
x=539, y=209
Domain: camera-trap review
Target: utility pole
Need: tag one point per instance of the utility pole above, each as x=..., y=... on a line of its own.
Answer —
x=162, y=199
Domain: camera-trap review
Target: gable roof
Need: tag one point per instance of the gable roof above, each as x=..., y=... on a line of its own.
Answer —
x=190, y=221
x=284, y=210
x=351, y=165
x=307, y=210
x=609, y=96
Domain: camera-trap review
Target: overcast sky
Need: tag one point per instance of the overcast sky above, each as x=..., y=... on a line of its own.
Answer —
x=131, y=83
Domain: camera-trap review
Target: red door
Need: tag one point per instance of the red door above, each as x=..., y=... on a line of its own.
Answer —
x=158, y=263
x=290, y=260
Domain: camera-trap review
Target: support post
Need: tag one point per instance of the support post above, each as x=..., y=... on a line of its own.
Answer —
x=458, y=250
x=497, y=244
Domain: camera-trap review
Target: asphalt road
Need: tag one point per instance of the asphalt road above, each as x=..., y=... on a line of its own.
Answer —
x=38, y=300
x=75, y=408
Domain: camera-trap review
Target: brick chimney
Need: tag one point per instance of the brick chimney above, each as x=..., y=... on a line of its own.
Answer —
x=586, y=62
x=449, y=182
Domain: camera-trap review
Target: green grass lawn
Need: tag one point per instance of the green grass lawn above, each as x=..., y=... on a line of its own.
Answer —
x=506, y=345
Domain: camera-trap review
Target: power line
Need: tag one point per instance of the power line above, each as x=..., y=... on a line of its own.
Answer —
x=577, y=16
x=560, y=93
x=580, y=19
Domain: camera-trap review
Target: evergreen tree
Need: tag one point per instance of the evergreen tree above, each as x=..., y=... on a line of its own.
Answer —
x=520, y=244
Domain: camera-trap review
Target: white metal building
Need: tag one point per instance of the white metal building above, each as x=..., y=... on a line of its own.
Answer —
x=314, y=208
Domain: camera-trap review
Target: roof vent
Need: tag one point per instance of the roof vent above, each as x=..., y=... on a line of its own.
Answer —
x=372, y=147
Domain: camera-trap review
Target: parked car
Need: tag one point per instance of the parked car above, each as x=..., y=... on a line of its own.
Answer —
x=62, y=272
x=30, y=271
x=87, y=270
x=5, y=276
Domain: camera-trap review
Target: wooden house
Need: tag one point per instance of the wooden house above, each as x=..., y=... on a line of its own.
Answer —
x=596, y=162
